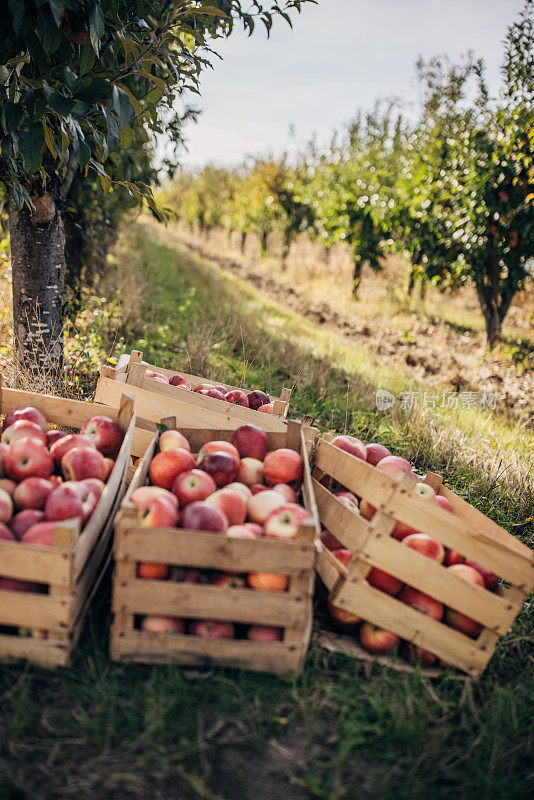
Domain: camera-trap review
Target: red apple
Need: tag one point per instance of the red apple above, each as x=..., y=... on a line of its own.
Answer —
x=145, y=494
x=41, y=533
x=27, y=458
x=265, y=633
x=452, y=557
x=6, y=534
x=68, y=442
x=25, y=412
x=201, y=516
x=330, y=541
x=220, y=465
x=401, y=531
x=263, y=504
x=241, y=532
x=443, y=502
x=422, y=602
x=156, y=376
x=250, y=471
x=286, y=491
x=166, y=467
x=109, y=464
x=14, y=585
x=490, y=579
x=257, y=399
x=375, y=452
x=237, y=397
x=54, y=436
x=209, y=629
x=377, y=640
x=255, y=527
x=267, y=408
x=416, y=653
x=221, y=388
x=251, y=442
x=66, y=502
x=6, y=506
x=220, y=447
x=283, y=523
x=159, y=511
x=3, y=450
x=105, y=433
x=394, y=466
x=426, y=546
x=215, y=393
x=455, y=618
x=32, y=493
x=350, y=504
x=152, y=572
x=384, y=581
x=8, y=485
x=192, y=486
x=348, y=496
x=366, y=509
x=24, y=520
x=21, y=430
x=282, y=466
x=156, y=624
x=171, y=440
x=351, y=445
x=83, y=462
x=231, y=503
x=260, y=487
x=243, y=490
x=228, y=579
x=342, y=619
x=201, y=386
x=267, y=581
x=343, y=555
x=179, y=380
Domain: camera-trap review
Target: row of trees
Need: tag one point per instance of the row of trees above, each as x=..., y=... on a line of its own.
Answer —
x=453, y=191
x=85, y=85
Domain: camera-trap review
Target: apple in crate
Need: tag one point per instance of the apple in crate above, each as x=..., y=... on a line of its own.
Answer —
x=251, y=442
x=213, y=392
x=6, y=506
x=83, y=462
x=166, y=467
x=442, y=502
x=144, y=494
x=367, y=510
x=377, y=640
x=41, y=533
x=158, y=511
x=155, y=376
x=220, y=465
x=171, y=440
x=284, y=523
x=342, y=619
x=268, y=408
x=422, y=602
x=282, y=466
x=330, y=541
x=27, y=458
x=54, y=436
x=259, y=487
x=32, y=493
x=105, y=433
x=263, y=504
x=384, y=581
x=66, y=502
x=267, y=581
x=179, y=380
x=342, y=555
x=395, y=466
x=489, y=578
x=3, y=450
x=256, y=399
x=66, y=443
x=426, y=546
x=193, y=485
x=228, y=579
x=250, y=471
x=455, y=618
x=286, y=491
x=25, y=412
x=243, y=490
x=15, y=585
x=237, y=398
x=21, y=429
x=452, y=557
x=150, y=571
x=417, y=654
x=265, y=633
x=156, y=624
x=6, y=534
x=202, y=516
x=351, y=445
x=220, y=447
x=375, y=452
x=231, y=503
x=209, y=629
x=24, y=520
x=8, y=485
x=242, y=532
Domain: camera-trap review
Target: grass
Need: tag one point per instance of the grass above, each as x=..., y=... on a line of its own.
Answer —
x=343, y=729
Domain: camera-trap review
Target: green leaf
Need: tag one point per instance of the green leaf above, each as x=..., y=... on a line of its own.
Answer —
x=30, y=145
x=18, y=14
x=49, y=138
x=161, y=428
x=13, y=113
x=57, y=8
x=87, y=59
x=97, y=25
x=122, y=105
x=59, y=103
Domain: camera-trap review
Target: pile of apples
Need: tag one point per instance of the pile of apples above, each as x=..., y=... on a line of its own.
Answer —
x=237, y=489
x=373, y=638
x=50, y=475
x=256, y=400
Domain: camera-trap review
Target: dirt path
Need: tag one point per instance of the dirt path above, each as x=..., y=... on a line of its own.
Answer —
x=438, y=355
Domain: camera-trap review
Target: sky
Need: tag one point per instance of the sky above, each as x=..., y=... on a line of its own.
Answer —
x=340, y=56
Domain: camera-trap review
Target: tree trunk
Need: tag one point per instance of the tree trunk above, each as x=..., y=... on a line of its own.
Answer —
x=357, y=279
x=38, y=264
x=492, y=321
x=264, y=235
x=285, y=249
x=243, y=241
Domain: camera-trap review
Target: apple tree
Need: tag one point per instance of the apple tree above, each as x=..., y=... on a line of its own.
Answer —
x=80, y=82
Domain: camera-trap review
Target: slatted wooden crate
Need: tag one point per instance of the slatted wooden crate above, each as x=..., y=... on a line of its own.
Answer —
x=290, y=610
x=155, y=399
x=70, y=569
x=466, y=530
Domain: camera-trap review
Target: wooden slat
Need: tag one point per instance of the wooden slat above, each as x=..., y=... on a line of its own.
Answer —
x=146, y=647
x=58, y=410
x=213, y=551
x=328, y=568
x=47, y=653
x=28, y=609
x=194, y=601
x=36, y=563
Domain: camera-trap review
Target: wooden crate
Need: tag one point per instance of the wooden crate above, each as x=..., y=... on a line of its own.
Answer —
x=466, y=530
x=290, y=610
x=71, y=569
x=155, y=400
